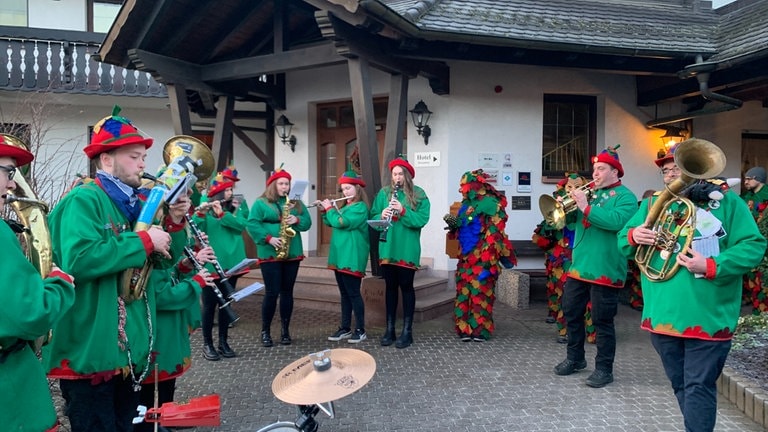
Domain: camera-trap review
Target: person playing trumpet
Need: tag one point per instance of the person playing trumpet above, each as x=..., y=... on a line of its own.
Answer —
x=598, y=270
x=272, y=215
x=217, y=219
x=31, y=305
x=102, y=346
x=691, y=315
x=407, y=207
x=348, y=255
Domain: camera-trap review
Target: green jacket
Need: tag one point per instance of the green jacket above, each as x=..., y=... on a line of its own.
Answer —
x=225, y=235
x=350, y=246
x=755, y=199
x=264, y=223
x=31, y=306
x=595, y=258
x=93, y=242
x=705, y=307
x=403, y=245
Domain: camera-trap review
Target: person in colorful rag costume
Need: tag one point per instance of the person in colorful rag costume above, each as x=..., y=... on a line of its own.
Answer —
x=557, y=244
x=279, y=275
x=348, y=254
x=101, y=349
x=407, y=207
x=691, y=316
x=483, y=249
x=598, y=270
x=31, y=306
x=755, y=194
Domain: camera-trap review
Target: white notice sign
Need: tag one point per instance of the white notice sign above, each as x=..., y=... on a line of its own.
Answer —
x=426, y=159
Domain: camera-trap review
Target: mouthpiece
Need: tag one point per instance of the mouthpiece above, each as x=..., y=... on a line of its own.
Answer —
x=148, y=176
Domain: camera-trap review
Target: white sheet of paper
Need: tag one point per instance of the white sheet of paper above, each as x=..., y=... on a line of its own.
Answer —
x=246, y=262
x=298, y=188
x=707, y=246
x=245, y=292
x=706, y=224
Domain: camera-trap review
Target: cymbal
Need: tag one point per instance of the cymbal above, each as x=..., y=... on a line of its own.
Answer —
x=301, y=383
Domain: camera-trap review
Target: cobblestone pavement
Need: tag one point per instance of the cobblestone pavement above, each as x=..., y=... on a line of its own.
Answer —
x=441, y=383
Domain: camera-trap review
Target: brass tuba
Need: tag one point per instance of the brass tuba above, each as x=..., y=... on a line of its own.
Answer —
x=697, y=159
x=187, y=160
x=554, y=211
x=33, y=215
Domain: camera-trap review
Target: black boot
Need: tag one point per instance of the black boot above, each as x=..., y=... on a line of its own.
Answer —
x=389, y=334
x=209, y=353
x=225, y=350
x=406, y=337
x=285, y=337
x=266, y=339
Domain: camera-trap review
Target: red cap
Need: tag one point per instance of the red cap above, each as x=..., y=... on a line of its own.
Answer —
x=230, y=173
x=219, y=184
x=403, y=163
x=10, y=146
x=350, y=177
x=278, y=173
x=610, y=157
x=670, y=156
x=113, y=132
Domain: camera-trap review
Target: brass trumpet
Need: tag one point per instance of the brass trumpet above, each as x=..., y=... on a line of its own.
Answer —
x=554, y=211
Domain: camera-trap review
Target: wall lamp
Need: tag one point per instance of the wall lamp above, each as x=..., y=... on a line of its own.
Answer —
x=673, y=135
x=420, y=115
x=283, y=127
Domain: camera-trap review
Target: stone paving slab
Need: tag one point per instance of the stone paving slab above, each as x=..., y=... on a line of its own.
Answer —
x=441, y=383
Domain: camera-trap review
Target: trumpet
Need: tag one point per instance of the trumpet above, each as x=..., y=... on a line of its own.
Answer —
x=554, y=211
x=317, y=203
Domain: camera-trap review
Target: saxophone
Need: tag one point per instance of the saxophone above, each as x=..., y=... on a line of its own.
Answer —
x=286, y=232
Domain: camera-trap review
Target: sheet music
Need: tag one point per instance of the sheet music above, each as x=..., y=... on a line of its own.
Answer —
x=379, y=223
x=245, y=292
x=298, y=188
x=707, y=246
x=245, y=263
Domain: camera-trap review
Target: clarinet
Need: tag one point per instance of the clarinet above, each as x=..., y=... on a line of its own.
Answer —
x=383, y=234
x=227, y=287
x=224, y=302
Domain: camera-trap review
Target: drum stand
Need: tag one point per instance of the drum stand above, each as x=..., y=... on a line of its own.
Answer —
x=305, y=422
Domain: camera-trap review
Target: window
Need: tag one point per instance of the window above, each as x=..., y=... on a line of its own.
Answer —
x=569, y=138
x=101, y=14
x=13, y=13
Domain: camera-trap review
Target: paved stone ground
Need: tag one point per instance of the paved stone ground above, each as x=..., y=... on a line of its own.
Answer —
x=440, y=383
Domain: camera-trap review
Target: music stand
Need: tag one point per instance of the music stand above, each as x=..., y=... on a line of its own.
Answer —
x=379, y=223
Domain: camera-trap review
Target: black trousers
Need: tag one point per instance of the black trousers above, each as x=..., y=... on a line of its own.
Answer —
x=165, y=392
x=351, y=300
x=109, y=406
x=605, y=300
x=279, y=278
x=210, y=306
x=402, y=277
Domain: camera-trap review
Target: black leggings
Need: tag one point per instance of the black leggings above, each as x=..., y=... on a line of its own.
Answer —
x=210, y=306
x=396, y=276
x=351, y=300
x=279, y=278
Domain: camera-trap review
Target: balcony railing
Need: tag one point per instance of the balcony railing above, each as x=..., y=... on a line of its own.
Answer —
x=62, y=61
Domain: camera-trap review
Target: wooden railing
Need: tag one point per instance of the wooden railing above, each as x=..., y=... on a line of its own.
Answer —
x=62, y=61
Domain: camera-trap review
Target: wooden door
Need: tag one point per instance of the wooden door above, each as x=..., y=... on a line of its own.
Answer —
x=337, y=153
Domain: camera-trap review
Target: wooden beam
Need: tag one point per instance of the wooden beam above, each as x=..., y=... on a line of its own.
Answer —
x=397, y=109
x=179, y=109
x=222, y=132
x=240, y=133
x=293, y=60
x=365, y=128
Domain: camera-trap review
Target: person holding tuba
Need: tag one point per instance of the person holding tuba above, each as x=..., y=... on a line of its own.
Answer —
x=102, y=346
x=707, y=240
x=406, y=206
x=31, y=307
x=275, y=224
x=224, y=231
x=598, y=270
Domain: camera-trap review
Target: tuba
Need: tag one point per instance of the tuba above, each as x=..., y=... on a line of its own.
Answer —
x=286, y=232
x=32, y=214
x=187, y=159
x=673, y=216
x=554, y=211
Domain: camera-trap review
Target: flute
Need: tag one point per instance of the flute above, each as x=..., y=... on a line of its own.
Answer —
x=224, y=302
x=317, y=203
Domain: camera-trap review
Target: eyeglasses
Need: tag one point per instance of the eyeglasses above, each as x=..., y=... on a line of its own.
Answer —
x=668, y=171
x=11, y=170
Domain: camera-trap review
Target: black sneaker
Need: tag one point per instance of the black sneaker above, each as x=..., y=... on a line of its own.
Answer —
x=599, y=378
x=340, y=334
x=466, y=338
x=478, y=338
x=358, y=336
x=567, y=367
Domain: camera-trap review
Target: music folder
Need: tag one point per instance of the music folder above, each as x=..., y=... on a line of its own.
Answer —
x=298, y=188
x=245, y=263
x=379, y=223
x=245, y=292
